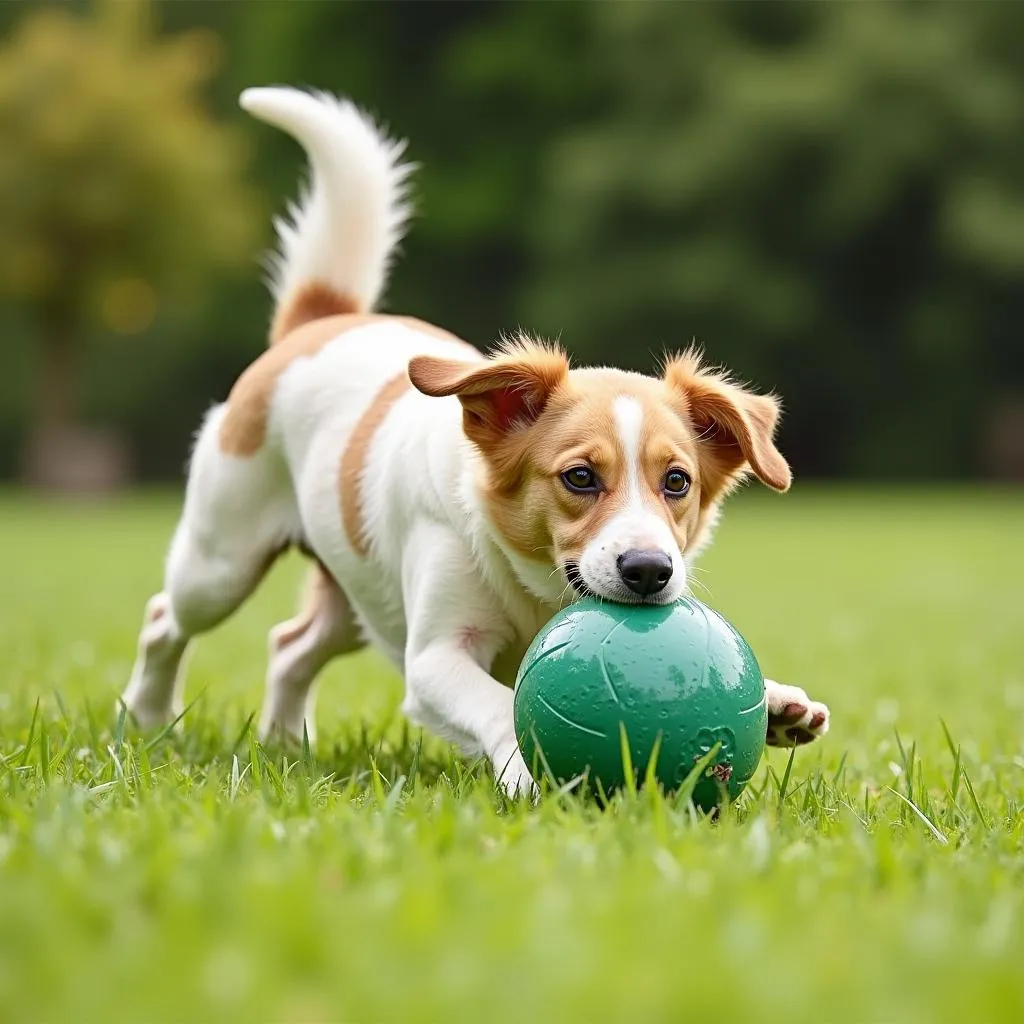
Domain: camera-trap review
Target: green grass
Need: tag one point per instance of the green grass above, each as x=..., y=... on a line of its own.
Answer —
x=198, y=877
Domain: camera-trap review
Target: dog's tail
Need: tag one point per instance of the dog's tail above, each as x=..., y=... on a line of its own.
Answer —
x=335, y=245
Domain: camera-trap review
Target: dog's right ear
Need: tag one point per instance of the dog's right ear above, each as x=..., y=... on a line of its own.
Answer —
x=500, y=396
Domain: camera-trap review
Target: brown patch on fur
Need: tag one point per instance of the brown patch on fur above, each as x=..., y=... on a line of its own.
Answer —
x=500, y=396
x=532, y=419
x=244, y=428
x=313, y=301
x=503, y=402
x=734, y=430
x=560, y=419
x=353, y=461
x=665, y=442
x=734, y=426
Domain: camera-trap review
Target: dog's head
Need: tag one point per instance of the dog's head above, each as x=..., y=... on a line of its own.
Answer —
x=612, y=478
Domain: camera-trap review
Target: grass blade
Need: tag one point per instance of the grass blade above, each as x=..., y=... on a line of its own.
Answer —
x=31, y=735
x=627, y=761
x=122, y=717
x=243, y=733
x=784, y=785
x=393, y=797
x=974, y=799
x=924, y=817
x=170, y=726
x=684, y=794
x=954, y=749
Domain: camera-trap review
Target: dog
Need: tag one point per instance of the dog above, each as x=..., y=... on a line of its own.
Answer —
x=451, y=501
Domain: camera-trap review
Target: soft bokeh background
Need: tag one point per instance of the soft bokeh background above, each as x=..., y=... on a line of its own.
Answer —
x=829, y=197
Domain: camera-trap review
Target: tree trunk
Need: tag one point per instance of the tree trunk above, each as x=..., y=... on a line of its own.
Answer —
x=55, y=409
x=61, y=455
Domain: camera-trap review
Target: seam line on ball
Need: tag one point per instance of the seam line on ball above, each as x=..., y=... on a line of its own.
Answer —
x=546, y=654
x=604, y=666
x=569, y=721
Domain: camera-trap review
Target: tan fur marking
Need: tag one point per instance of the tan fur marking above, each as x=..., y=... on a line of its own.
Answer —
x=532, y=418
x=735, y=427
x=313, y=301
x=353, y=461
x=527, y=502
x=319, y=583
x=244, y=428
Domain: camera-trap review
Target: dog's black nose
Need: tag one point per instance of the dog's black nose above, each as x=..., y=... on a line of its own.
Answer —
x=645, y=572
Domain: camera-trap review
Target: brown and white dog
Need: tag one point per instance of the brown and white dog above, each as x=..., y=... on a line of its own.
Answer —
x=453, y=501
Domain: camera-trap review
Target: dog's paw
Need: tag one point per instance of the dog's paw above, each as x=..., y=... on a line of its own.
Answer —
x=512, y=775
x=793, y=718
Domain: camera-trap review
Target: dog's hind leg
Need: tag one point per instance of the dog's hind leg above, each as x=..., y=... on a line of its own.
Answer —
x=299, y=648
x=239, y=515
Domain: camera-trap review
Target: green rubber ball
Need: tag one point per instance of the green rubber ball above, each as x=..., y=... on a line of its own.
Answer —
x=677, y=678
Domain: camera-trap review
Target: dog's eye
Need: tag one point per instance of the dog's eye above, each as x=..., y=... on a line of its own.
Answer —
x=677, y=483
x=581, y=480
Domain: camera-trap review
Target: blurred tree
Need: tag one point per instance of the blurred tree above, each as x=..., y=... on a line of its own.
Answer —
x=830, y=197
x=115, y=188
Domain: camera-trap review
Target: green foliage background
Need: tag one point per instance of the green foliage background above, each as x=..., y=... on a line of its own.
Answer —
x=829, y=197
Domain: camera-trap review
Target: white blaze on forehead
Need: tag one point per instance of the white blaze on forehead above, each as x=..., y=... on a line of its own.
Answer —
x=638, y=524
x=628, y=414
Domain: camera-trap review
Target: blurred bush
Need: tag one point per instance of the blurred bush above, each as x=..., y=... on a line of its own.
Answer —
x=117, y=190
x=829, y=197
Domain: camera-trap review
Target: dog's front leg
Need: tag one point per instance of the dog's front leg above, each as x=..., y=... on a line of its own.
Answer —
x=448, y=693
x=455, y=629
x=793, y=718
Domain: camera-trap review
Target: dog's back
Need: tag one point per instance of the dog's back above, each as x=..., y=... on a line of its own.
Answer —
x=313, y=434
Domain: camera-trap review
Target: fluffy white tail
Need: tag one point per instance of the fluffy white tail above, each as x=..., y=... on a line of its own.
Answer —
x=336, y=243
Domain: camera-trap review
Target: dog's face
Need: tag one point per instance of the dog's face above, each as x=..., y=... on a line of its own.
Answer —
x=610, y=479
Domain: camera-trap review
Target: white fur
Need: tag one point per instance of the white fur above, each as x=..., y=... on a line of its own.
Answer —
x=344, y=229
x=636, y=526
x=437, y=590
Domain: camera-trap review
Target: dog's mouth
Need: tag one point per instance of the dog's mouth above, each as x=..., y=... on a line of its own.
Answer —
x=580, y=589
x=576, y=581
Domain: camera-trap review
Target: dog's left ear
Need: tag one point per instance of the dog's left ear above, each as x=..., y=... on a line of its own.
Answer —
x=735, y=427
x=499, y=396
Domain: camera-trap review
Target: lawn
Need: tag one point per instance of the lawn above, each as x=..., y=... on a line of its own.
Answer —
x=199, y=877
